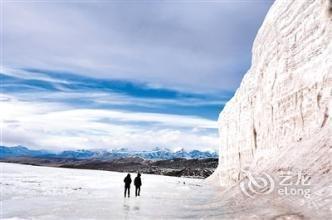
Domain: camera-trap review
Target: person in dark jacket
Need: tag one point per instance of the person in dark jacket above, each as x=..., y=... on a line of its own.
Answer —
x=127, y=182
x=138, y=183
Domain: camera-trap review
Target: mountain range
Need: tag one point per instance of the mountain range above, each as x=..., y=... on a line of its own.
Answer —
x=154, y=154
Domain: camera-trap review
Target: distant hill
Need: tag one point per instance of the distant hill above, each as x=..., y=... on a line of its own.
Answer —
x=180, y=167
x=154, y=154
x=194, y=163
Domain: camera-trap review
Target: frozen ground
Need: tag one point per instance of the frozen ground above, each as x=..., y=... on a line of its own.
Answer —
x=30, y=192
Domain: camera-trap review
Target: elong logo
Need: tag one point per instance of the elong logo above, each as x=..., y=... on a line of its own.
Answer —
x=263, y=184
x=289, y=184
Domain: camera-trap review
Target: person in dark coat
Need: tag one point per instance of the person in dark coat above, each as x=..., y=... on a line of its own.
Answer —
x=127, y=182
x=138, y=183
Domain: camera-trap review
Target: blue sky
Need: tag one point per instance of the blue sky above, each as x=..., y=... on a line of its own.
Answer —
x=111, y=74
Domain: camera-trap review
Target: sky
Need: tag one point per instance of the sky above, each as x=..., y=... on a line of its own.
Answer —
x=114, y=74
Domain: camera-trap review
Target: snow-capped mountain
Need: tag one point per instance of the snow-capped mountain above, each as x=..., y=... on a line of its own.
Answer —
x=19, y=150
x=154, y=154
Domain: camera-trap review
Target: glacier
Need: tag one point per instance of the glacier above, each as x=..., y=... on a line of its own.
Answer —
x=48, y=193
x=33, y=192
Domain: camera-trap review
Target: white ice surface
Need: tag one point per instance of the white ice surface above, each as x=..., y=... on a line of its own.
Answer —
x=31, y=192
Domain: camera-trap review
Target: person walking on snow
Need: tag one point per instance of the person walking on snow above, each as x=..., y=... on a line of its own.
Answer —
x=127, y=182
x=138, y=183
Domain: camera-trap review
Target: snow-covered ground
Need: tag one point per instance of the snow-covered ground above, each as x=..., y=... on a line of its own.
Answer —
x=31, y=192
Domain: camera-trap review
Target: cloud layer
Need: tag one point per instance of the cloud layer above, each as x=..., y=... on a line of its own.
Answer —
x=58, y=126
x=54, y=110
x=135, y=74
x=203, y=45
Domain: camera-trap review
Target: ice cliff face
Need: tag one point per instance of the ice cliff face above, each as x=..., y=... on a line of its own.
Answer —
x=280, y=117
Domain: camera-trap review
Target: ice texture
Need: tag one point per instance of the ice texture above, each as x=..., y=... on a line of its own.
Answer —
x=32, y=192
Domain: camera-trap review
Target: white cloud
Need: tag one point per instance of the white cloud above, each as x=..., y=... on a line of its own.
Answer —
x=197, y=46
x=57, y=126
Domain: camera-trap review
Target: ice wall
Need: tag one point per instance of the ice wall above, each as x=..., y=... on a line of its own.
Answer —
x=285, y=98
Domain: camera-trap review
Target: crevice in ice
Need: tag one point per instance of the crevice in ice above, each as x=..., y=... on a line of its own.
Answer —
x=326, y=116
x=239, y=174
x=301, y=112
x=255, y=138
x=319, y=96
